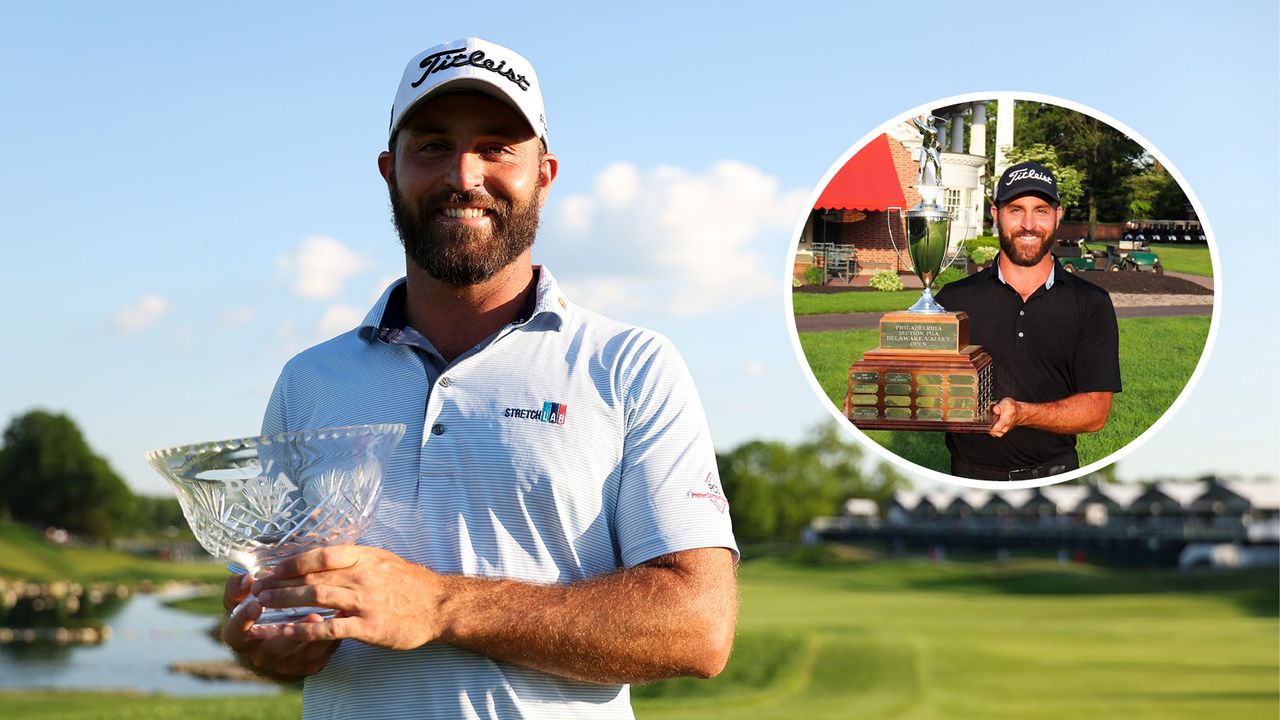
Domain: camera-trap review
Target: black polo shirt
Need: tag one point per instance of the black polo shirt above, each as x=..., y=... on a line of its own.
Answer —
x=1062, y=341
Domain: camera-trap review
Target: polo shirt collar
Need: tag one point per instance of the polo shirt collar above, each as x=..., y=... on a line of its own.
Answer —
x=550, y=307
x=1047, y=283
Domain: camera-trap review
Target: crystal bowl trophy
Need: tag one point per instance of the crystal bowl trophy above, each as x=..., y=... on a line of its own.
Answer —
x=256, y=501
x=924, y=375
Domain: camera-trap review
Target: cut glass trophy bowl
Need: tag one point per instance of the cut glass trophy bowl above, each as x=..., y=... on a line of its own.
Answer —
x=256, y=501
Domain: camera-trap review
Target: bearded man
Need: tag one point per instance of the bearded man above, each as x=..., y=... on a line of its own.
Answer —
x=1052, y=335
x=551, y=526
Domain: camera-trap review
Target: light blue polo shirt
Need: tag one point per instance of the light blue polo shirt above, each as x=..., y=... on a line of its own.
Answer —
x=563, y=447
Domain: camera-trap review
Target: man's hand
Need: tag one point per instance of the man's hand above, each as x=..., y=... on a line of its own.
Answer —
x=279, y=658
x=1079, y=413
x=668, y=617
x=382, y=599
x=1005, y=417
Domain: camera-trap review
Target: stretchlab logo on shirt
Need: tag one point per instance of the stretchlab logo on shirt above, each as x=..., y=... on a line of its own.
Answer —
x=551, y=412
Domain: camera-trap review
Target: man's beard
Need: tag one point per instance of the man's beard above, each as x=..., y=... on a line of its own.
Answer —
x=464, y=256
x=1010, y=250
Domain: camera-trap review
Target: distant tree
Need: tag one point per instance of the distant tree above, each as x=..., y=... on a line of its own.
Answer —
x=775, y=489
x=157, y=515
x=1155, y=194
x=1108, y=474
x=1070, y=180
x=1105, y=156
x=887, y=481
x=49, y=475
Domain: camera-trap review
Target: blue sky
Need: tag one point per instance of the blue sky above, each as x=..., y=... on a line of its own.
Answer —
x=189, y=196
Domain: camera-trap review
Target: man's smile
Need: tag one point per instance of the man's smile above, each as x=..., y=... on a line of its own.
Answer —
x=464, y=213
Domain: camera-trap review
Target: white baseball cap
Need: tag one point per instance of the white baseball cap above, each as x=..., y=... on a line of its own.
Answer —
x=471, y=64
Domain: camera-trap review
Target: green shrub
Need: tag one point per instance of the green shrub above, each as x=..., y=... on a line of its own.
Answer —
x=983, y=254
x=949, y=275
x=796, y=281
x=886, y=281
x=981, y=241
x=813, y=275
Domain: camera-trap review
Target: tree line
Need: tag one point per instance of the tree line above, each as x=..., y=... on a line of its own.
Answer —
x=1103, y=175
x=49, y=476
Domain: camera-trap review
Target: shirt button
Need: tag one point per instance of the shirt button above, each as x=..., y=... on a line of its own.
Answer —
x=1022, y=312
x=437, y=429
x=445, y=381
x=1019, y=335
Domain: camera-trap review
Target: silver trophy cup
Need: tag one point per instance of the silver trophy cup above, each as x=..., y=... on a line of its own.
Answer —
x=928, y=236
x=256, y=501
x=928, y=224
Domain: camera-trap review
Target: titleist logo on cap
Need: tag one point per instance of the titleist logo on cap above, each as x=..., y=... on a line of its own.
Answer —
x=1028, y=174
x=439, y=62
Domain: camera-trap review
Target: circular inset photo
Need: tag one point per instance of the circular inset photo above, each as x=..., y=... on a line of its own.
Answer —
x=1003, y=290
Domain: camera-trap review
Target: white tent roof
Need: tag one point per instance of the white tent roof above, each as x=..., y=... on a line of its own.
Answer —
x=1261, y=494
x=908, y=499
x=1123, y=494
x=1183, y=492
x=861, y=507
x=1066, y=498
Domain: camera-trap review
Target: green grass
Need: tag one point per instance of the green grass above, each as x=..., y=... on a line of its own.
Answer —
x=50, y=705
x=26, y=555
x=906, y=640
x=1193, y=259
x=1157, y=357
x=852, y=301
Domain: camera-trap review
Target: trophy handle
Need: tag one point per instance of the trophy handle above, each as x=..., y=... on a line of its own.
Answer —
x=954, y=256
x=889, y=224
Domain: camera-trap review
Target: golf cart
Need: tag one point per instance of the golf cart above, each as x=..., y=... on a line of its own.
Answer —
x=1075, y=255
x=1133, y=254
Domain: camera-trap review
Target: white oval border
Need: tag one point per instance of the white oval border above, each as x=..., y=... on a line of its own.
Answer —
x=1205, y=353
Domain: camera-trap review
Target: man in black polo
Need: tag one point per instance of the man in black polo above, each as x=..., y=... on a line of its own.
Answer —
x=1053, y=337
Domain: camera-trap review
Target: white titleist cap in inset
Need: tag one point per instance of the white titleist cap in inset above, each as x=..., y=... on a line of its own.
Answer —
x=471, y=64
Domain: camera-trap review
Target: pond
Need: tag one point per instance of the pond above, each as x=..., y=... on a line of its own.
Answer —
x=146, y=637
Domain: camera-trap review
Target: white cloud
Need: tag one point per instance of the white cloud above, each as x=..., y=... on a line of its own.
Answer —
x=617, y=295
x=139, y=315
x=232, y=319
x=686, y=242
x=319, y=267
x=339, y=319
x=617, y=185
x=292, y=337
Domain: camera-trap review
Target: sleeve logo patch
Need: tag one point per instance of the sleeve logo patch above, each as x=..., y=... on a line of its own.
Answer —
x=712, y=493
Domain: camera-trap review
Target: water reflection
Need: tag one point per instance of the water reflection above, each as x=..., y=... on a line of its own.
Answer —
x=145, y=638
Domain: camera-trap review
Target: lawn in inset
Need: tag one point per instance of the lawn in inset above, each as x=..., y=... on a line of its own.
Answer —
x=1191, y=259
x=1157, y=357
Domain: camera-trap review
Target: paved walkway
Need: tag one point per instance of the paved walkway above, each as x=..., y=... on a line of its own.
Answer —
x=1200, y=280
x=1128, y=305
x=911, y=281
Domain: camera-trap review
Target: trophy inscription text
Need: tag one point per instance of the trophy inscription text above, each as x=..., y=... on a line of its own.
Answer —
x=919, y=336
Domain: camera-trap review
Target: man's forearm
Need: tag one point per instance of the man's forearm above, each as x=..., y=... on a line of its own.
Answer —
x=1080, y=413
x=671, y=616
x=658, y=620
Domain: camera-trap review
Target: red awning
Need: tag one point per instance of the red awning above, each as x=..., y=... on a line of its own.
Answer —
x=869, y=181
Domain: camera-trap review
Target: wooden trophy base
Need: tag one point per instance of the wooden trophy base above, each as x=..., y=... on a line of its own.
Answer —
x=925, y=376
